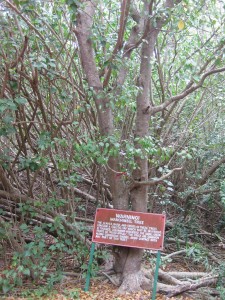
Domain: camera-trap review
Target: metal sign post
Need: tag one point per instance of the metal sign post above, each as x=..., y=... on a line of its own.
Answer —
x=88, y=276
x=156, y=275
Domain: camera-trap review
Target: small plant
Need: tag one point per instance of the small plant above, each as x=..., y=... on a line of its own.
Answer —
x=199, y=254
x=73, y=294
x=221, y=282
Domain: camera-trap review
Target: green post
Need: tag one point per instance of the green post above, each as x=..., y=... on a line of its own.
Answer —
x=156, y=275
x=88, y=276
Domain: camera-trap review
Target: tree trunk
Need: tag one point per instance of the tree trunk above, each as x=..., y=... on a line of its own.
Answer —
x=128, y=266
x=105, y=116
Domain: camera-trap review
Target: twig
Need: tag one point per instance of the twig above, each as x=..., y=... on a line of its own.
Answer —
x=189, y=89
x=110, y=279
x=174, y=253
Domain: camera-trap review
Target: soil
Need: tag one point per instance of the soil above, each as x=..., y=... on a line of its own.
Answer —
x=71, y=287
x=98, y=291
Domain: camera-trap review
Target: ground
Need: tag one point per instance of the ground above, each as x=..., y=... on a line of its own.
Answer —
x=97, y=291
x=71, y=287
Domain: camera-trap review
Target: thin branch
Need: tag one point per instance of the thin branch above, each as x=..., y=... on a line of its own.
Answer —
x=187, y=91
x=136, y=184
x=21, y=55
x=84, y=195
x=123, y=18
x=13, y=7
x=18, y=198
x=5, y=182
x=5, y=81
x=174, y=254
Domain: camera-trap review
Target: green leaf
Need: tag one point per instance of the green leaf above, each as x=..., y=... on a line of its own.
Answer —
x=24, y=227
x=8, y=120
x=26, y=272
x=6, y=287
x=21, y=100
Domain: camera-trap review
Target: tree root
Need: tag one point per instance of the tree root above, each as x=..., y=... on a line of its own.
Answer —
x=114, y=281
x=192, y=286
x=171, y=283
x=178, y=286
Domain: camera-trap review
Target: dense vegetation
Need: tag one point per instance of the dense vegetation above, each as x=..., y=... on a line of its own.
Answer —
x=108, y=104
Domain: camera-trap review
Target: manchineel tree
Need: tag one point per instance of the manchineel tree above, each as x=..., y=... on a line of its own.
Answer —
x=148, y=22
x=124, y=92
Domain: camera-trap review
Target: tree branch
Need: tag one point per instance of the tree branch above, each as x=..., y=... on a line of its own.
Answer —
x=136, y=184
x=189, y=89
x=6, y=185
x=123, y=18
x=21, y=55
x=18, y=199
x=211, y=170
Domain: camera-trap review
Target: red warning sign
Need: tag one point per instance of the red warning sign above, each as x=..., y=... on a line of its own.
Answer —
x=129, y=228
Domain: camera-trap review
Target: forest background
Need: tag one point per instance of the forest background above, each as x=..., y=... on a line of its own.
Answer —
x=109, y=104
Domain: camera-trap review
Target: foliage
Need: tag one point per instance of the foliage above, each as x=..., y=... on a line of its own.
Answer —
x=220, y=283
x=33, y=258
x=55, y=158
